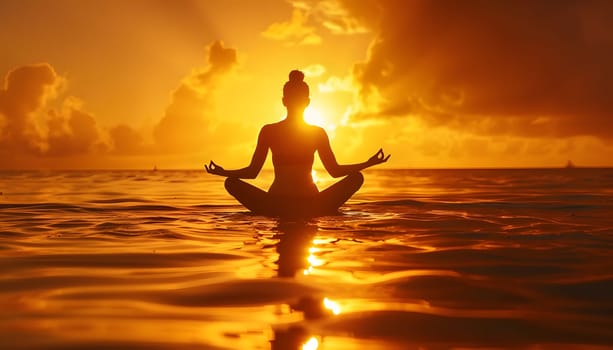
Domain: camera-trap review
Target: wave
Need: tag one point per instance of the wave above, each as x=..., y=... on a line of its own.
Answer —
x=45, y=206
x=118, y=260
x=109, y=205
x=471, y=331
x=565, y=202
x=119, y=200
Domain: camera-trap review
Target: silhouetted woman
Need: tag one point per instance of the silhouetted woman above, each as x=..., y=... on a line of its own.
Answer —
x=293, y=143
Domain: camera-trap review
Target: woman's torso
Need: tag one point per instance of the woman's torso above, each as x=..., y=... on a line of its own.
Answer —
x=293, y=146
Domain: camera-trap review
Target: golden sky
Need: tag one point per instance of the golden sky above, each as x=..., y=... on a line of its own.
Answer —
x=133, y=84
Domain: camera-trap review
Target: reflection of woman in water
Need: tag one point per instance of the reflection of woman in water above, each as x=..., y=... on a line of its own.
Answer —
x=295, y=238
x=293, y=143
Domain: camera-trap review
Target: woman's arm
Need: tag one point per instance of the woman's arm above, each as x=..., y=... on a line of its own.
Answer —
x=250, y=171
x=337, y=170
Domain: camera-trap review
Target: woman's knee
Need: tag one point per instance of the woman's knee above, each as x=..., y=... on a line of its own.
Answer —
x=356, y=178
x=231, y=183
x=353, y=181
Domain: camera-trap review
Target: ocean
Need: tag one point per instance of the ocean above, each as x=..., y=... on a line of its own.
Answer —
x=417, y=259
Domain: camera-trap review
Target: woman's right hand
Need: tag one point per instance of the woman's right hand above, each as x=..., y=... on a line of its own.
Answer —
x=214, y=169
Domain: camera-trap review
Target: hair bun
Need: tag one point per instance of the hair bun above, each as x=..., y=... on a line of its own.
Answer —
x=296, y=76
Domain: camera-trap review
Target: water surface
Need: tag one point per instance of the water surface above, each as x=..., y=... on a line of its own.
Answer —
x=418, y=259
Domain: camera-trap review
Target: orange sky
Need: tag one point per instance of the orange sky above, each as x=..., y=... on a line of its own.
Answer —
x=133, y=84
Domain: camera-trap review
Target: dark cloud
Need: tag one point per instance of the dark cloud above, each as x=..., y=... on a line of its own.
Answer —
x=525, y=67
x=186, y=121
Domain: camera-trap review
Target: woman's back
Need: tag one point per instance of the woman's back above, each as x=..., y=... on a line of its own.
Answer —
x=293, y=145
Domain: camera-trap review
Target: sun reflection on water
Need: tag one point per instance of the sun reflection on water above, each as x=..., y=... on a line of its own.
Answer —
x=332, y=306
x=312, y=259
x=311, y=344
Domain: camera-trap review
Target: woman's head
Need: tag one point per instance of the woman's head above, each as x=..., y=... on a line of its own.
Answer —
x=296, y=91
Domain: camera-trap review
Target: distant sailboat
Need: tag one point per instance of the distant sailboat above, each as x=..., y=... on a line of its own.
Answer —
x=155, y=168
x=570, y=165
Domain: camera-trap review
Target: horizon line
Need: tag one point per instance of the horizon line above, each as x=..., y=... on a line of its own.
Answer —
x=317, y=169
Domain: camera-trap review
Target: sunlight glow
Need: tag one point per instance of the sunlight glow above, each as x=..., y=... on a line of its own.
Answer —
x=311, y=344
x=332, y=306
x=314, y=117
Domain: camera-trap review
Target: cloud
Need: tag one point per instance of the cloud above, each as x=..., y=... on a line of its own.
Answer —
x=296, y=31
x=187, y=122
x=334, y=83
x=335, y=17
x=521, y=67
x=24, y=93
x=72, y=131
x=314, y=70
x=310, y=19
x=29, y=125
x=40, y=127
x=125, y=140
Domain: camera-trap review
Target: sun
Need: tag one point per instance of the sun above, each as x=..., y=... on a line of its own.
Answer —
x=314, y=117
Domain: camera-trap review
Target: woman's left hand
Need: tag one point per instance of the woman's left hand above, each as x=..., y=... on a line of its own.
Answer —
x=378, y=158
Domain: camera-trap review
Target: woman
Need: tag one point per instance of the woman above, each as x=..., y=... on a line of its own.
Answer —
x=293, y=143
